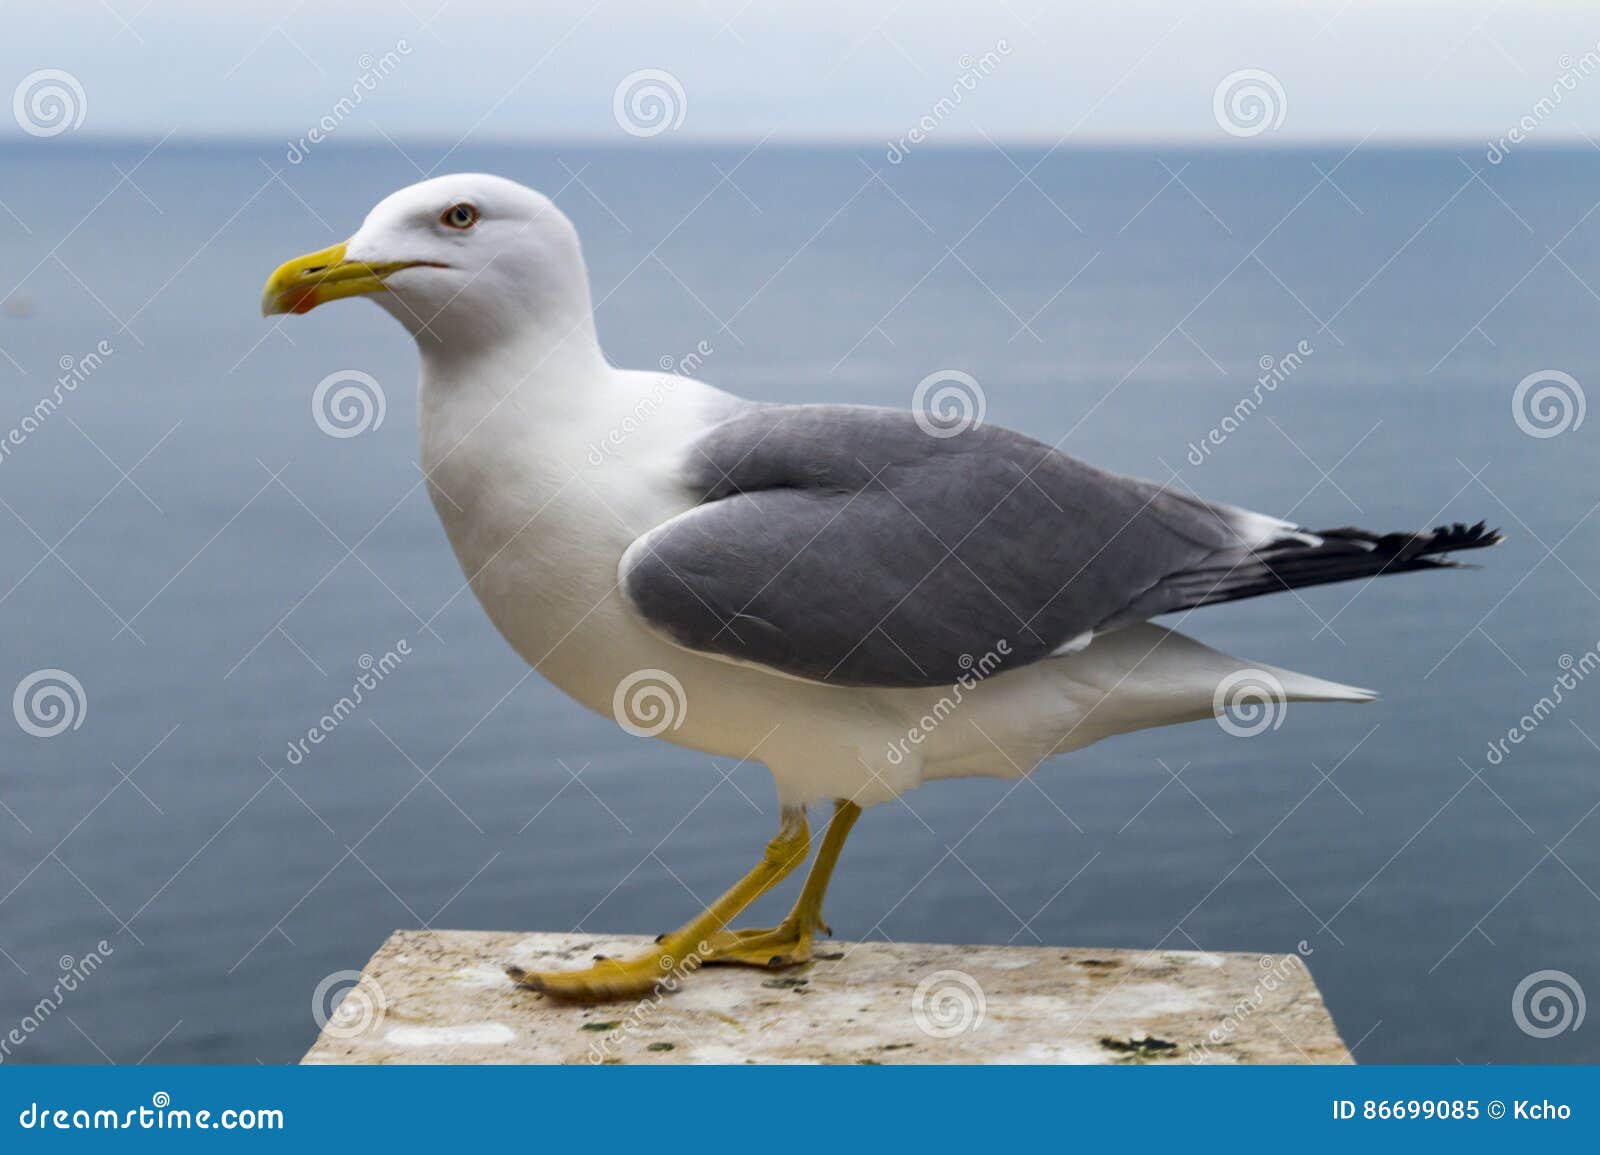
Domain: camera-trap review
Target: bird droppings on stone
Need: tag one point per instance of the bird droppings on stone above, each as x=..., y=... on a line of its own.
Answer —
x=785, y=983
x=1140, y=1048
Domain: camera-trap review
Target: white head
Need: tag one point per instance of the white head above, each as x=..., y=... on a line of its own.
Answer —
x=464, y=262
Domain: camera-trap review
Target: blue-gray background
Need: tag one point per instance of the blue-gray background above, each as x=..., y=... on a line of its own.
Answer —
x=1118, y=298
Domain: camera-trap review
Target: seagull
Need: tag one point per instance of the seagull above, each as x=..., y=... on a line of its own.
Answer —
x=863, y=599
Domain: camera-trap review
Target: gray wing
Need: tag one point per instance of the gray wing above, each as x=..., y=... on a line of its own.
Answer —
x=846, y=545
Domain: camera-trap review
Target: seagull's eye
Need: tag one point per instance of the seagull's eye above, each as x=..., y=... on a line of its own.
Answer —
x=461, y=216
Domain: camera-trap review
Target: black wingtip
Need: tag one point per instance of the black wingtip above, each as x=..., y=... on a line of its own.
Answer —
x=1425, y=546
x=1446, y=538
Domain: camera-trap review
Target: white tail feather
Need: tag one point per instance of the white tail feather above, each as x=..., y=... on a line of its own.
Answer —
x=1144, y=675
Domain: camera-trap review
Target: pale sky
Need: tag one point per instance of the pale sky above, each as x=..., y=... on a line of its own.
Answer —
x=855, y=69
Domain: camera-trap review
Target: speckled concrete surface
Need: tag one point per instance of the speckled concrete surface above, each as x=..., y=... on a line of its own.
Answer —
x=443, y=997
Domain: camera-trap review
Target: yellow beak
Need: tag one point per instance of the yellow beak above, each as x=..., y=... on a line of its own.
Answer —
x=300, y=285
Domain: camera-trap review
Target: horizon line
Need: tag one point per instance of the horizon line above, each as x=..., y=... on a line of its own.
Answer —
x=952, y=143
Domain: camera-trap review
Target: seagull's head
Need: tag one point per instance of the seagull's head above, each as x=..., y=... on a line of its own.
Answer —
x=465, y=259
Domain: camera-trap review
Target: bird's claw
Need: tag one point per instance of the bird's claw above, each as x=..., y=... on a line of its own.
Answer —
x=781, y=946
x=610, y=979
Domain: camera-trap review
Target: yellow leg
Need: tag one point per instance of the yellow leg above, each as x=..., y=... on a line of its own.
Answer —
x=684, y=950
x=789, y=943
